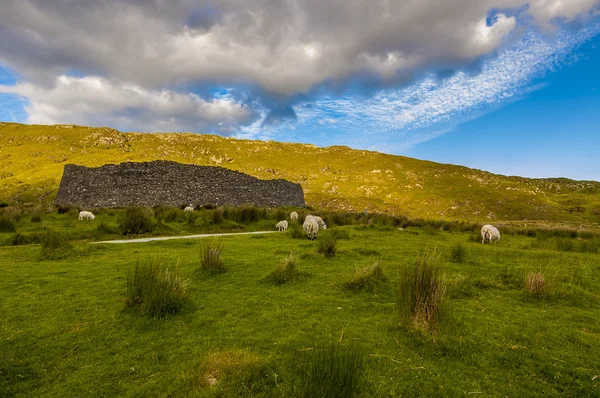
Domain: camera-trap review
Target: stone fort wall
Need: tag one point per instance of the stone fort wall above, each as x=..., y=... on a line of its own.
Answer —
x=172, y=184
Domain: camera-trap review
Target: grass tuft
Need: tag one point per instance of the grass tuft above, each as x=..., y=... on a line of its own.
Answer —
x=210, y=256
x=295, y=230
x=458, y=253
x=421, y=292
x=368, y=278
x=535, y=283
x=332, y=371
x=6, y=225
x=286, y=270
x=55, y=245
x=327, y=244
x=155, y=288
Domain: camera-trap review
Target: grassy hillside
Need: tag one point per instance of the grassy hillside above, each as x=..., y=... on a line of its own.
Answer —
x=338, y=178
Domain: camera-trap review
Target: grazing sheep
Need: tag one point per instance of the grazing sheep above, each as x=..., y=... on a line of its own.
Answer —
x=188, y=209
x=282, y=225
x=320, y=221
x=86, y=215
x=311, y=228
x=489, y=233
x=294, y=216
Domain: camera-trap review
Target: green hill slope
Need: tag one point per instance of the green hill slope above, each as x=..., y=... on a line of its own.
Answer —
x=32, y=159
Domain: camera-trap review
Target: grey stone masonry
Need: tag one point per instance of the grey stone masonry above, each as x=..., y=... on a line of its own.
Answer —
x=169, y=183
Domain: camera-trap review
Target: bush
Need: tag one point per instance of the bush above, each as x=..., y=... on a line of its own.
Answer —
x=421, y=291
x=11, y=213
x=135, y=220
x=6, y=225
x=63, y=209
x=104, y=228
x=167, y=214
x=55, y=245
x=191, y=219
x=244, y=214
x=286, y=270
x=535, y=283
x=217, y=216
x=332, y=371
x=458, y=253
x=368, y=278
x=210, y=256
x=327, y=244
x=295, y=230
x=155, y=288
x=18, y=239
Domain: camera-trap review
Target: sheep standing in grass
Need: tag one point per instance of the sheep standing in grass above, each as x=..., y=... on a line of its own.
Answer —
x=188, y=209
x=311, y=227
x=318, y=219
x=294, y=216
x=489, y=233
x=282, y=225
x=86, y=215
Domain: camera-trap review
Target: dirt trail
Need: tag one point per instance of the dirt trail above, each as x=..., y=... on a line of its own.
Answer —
x=142, y=240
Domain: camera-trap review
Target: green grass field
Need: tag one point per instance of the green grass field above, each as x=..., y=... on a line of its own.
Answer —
x=65, y=329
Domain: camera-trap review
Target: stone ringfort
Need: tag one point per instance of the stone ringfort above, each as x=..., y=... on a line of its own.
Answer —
x=171, y=184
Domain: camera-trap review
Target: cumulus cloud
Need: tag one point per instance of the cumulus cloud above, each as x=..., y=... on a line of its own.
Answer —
x=284, y=46
x=130, y=63
x=98, y=101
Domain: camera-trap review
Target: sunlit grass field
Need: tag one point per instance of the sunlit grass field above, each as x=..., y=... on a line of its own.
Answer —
x=65, y=329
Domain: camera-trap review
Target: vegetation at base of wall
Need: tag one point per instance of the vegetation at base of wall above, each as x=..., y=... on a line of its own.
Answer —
x=156, y=288
x=136, y=220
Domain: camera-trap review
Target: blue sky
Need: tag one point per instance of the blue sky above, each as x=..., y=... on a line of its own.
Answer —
x=507, y=86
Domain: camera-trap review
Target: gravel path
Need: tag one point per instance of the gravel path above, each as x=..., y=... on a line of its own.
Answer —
x=142, y=240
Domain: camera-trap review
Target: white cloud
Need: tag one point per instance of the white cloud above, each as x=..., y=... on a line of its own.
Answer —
x=98, y=101
x=394, y=120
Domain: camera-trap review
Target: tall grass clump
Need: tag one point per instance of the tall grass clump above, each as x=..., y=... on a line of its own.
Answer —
x=6, y=225
x=54, y=244
x=286, y=270
x=36, y=217
x=421, y=291
x=458, y=253
x=368, y=278
x=210, y=256
x=296, y=232
x=156, y=288
x=332, y=371
x=327, y=244
x=135, y=220
x=535, y=284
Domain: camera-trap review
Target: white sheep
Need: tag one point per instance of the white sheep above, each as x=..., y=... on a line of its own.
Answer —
x=294, y=216
x=311, y=228
x=86, y=215
x=188, y=209
x=489, y=233
x=282, y=225
x=320, y=221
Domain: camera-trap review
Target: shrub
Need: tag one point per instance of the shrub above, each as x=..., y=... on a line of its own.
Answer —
x=155, y=288
x=55, y=245
x=135, y=220
x=332, y=371
x=535, y=283
x=6, y=225
x=11, y=213
x=368, y=278
x=286, y=270
x=421, y=291
x=191, y=219
x=63, y=209
x=296, y=232
x=167, y=214
x=458, y=253
x=210, y=256
x=327, y=244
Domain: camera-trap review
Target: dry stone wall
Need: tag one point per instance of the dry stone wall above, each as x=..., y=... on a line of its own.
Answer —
x=172, y=184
